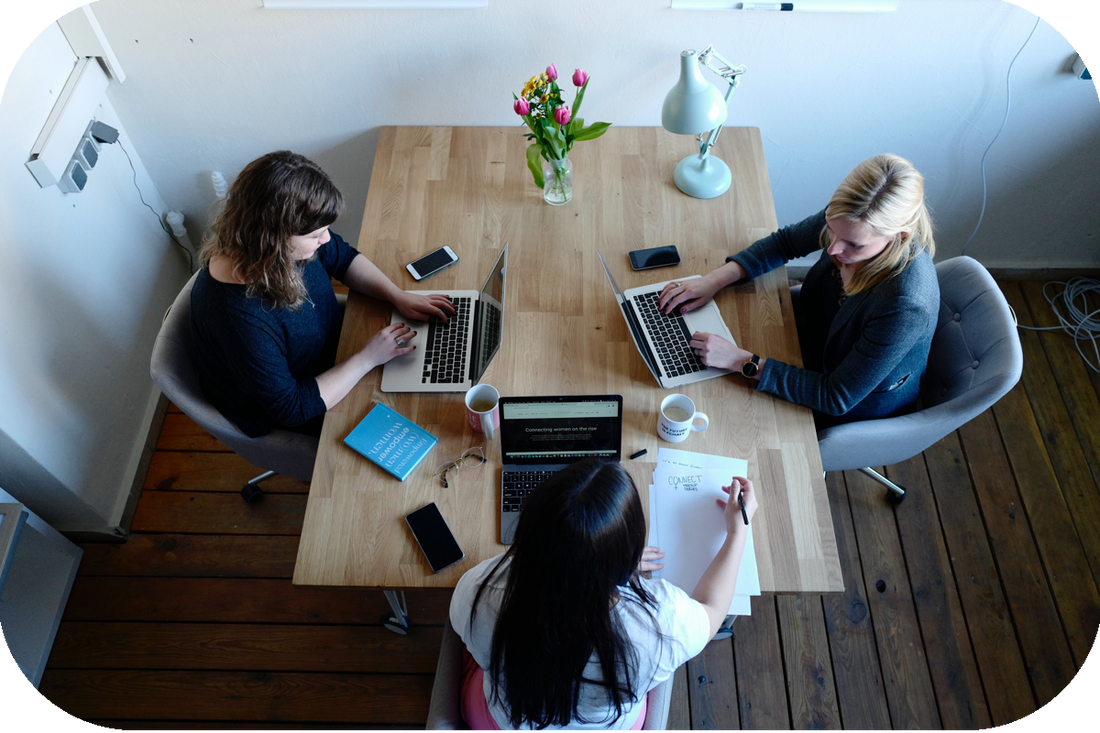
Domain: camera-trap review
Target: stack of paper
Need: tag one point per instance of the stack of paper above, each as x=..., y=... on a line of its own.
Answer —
x=689, y=527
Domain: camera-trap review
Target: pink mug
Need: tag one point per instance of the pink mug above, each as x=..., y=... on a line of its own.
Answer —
x=483, y=409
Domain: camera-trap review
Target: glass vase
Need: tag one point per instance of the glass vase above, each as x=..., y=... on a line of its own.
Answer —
x=558, y=181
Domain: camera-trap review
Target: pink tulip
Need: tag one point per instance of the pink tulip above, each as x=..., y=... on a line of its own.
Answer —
x=561, y=115
x=521, y=107
x=551, y=72
x=580, y=76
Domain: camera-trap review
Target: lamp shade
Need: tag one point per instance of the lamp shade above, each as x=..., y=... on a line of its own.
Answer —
x=694, y=105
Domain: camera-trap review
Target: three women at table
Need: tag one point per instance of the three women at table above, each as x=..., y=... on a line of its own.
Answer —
x=868, y=307
x=264, y=318
x=562, y=630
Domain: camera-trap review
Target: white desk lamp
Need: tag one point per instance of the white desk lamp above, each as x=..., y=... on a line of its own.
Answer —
x=693, y=107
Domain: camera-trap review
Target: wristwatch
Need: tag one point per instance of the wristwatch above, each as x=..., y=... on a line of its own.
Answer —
x=751, y=367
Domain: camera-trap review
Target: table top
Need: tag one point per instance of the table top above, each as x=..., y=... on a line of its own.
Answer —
x=470, y=188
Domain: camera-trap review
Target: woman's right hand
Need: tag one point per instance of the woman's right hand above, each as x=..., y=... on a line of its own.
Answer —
x=695, y=293
x=734, y=521
x=392, y=341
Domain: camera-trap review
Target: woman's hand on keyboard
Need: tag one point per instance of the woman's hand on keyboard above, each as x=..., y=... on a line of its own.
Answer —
x=390, y=342
x=695, y=293
x=417, y=307
x=717, y=352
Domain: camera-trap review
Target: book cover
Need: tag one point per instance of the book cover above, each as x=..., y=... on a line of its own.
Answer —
x=391, y=440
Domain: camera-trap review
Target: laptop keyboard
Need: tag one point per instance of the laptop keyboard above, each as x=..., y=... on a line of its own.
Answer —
x=445, y=355
x=671, y=336
x=516, y=485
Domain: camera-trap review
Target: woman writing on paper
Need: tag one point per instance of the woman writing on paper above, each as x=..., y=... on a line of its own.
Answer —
x=264, y=318
x=867, y=309
x=562, y=630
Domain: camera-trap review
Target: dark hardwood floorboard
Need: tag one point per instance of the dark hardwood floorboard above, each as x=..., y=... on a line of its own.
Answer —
x=970, y=605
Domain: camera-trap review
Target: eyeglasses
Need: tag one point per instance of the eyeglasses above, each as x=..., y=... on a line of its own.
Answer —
x=472, y=458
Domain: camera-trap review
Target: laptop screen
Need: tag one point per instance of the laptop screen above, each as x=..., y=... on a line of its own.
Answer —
x=561, y=429
x=489, y=318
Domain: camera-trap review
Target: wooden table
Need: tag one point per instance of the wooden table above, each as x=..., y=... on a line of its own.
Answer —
x=563, y=334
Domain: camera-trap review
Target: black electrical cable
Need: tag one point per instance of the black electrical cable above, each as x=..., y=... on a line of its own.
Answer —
x=190, y=257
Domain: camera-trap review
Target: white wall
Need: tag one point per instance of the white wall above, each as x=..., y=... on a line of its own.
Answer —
x=215, y=83
x=84, y=281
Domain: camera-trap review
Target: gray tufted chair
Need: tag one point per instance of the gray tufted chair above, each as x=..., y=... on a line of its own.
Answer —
x=975, y=360
x=173, y=370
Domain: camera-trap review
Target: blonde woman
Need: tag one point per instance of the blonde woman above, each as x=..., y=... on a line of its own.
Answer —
x=264, y=319
x=867, y=309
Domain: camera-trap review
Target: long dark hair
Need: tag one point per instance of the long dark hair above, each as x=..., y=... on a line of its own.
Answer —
x=579, y=539
x=275, y=197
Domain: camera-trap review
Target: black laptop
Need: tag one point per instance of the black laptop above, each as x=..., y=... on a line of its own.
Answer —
x=539, y=436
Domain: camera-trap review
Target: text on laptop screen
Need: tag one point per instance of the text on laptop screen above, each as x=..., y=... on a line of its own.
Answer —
x=554, y=430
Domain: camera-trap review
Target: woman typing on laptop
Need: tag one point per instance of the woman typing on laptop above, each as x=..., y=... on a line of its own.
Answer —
x=264, y=318
x=562, y=630
x=867, y=309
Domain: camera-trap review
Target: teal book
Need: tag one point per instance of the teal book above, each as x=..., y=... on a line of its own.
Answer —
x=391, y=440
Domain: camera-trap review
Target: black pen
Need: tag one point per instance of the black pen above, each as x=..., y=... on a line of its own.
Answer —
x=741, y=501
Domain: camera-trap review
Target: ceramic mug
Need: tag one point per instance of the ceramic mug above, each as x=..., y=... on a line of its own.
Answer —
x=483, y=409
x=677, y=418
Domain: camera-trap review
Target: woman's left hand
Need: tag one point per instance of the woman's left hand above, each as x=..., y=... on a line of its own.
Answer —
x=650, y=556
x=417, y=307
x=717, y=352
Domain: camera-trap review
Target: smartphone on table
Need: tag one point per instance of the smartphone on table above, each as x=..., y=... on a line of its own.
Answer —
x=647, y=259
x=434, y=536
x=432, y=263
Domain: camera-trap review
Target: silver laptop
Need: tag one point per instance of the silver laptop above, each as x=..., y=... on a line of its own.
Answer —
x=663, y=340
x=539, y=436
x=451, y=356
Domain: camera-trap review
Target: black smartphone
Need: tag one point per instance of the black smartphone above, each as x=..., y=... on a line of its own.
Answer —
x=434, y=536
x=432, y=263
x=647, y=259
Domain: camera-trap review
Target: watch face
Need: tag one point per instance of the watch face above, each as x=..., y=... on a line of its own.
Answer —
x=750, y=368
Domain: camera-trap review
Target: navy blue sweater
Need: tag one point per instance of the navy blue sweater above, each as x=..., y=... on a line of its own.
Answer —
x=865, y=356
x=257, y=363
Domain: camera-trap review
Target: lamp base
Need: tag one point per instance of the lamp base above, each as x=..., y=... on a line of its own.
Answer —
x=702, y=178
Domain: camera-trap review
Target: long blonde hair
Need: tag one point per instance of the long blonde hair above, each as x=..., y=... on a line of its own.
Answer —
x=887, y=194
x=275, y=197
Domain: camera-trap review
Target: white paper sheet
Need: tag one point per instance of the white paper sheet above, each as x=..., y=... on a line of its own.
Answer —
x=689, y=526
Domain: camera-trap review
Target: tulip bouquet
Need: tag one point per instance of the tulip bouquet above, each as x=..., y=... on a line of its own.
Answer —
x=554, y=126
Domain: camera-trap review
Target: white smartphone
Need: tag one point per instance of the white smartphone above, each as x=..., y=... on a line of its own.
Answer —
x=432, y=263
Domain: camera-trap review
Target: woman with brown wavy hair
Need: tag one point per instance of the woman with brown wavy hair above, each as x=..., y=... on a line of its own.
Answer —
x=867, y=309
x=264, y=318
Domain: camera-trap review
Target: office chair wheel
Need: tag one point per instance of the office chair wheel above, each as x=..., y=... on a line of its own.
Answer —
x=395, y=626
x=251, y=493
x=894, y=497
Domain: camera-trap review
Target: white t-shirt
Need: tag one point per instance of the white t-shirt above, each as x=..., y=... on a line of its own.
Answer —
x=682, y=623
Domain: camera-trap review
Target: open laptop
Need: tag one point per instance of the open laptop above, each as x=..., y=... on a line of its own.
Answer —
x=663, y=340
x=542, y=435
x=451, y=356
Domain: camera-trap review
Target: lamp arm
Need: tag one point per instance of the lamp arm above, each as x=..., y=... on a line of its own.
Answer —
x=712, y=138
x=730, y=73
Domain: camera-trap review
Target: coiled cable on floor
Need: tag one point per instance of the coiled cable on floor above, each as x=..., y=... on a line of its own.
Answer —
x=1072, y=308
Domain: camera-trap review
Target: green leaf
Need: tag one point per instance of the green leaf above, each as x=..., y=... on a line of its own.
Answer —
x=580, y=97
x=593, y=131
x=534, y=153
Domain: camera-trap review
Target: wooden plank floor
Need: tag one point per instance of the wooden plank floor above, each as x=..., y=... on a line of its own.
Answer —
x=972, y=605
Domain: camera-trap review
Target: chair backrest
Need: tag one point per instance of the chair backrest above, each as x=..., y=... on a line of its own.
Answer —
x=975, y=359
x=444, y=708
x=976, y=349
x=173, y=370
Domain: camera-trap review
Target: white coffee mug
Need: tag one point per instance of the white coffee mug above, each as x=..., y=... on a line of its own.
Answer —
x=677, y=418
x=483, y=409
